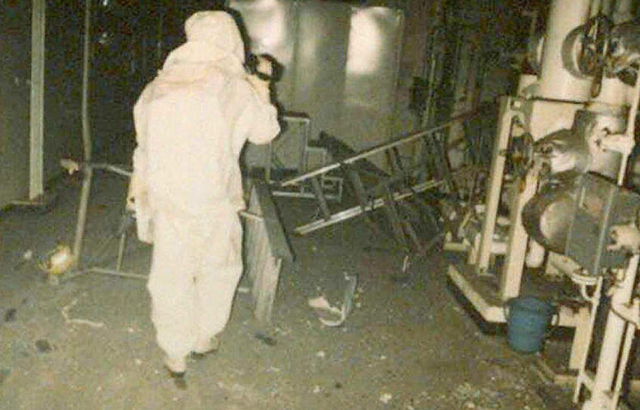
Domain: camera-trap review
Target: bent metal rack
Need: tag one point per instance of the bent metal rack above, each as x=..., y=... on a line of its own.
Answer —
x=431, y=166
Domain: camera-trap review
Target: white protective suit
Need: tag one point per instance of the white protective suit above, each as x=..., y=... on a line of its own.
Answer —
x=191, y=122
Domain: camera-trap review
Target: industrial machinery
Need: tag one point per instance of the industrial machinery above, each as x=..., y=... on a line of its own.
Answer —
x=555, y=200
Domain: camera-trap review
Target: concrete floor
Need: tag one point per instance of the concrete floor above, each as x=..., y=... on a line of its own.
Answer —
x=403, y=347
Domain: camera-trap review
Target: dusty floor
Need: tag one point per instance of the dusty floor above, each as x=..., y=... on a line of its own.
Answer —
x=403, y=347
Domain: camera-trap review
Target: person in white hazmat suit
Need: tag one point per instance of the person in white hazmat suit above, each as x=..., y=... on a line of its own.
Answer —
x=191, y=123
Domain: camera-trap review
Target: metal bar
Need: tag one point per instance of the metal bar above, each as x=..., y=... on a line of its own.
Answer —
x=601, y=393
x=116, y=273
x=322, y=201
x=394, y=218
x=581, y=339
x=100, y=166
x=121, y=248
x=582, y=371
x=82, y=216
x=111, y=168
x=361, y=195
x=296, y=118
x=358, y=186
x=36, y=129
x=251, y=216
x=413, y=216
x=624, y=361
x=358, y=210
x=379, y=148
x=494, y=186
x=511, y=278
x=86, y=63
x=86, y=140
x=444, y=166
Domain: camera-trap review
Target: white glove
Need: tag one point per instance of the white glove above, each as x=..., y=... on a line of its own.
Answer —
x=261, y=87
x=137, y=202
x=133, y=193
x=264, y=66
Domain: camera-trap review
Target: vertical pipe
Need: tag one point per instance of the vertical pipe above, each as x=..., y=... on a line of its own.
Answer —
x=556, y=83
x=86, y=62
x=86, y=139
x=584, y=356
x=630, y=133
x=612, y=342
x=523, y=190
x=36, y=137
x=535, y=255
x=121, y=248
x=494, y=188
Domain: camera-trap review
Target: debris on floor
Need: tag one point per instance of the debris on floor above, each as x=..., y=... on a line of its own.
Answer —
x=10, y=315
x=268, y=340
x=43, y=346
x=67, y=317
x=386, y=398
x=409, y=349
x=332, y=316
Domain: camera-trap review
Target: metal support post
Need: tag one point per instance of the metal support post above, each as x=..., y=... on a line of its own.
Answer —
x=494, y=189
x=82, y=215
x=523, y=189
x=36, y=144
x=122, y=245
x=603, y=392
x=322, y=201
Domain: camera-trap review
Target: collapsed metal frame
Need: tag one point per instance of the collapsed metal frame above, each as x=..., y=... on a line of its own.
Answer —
x=433, y=170
x=332, y=185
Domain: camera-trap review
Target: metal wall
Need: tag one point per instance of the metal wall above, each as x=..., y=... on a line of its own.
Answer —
x=340, y=62
x=30, y=152
x=15, y=72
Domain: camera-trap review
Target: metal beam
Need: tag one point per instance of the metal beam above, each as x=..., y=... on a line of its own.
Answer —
x=36, y=126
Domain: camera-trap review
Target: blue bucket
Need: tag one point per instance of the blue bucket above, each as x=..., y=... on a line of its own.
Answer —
x=527, y=321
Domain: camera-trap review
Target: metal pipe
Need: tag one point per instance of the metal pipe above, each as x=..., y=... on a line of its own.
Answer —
x=594, y=300
x=122, y=246
x=494, y=187
x=86, y=62
x=557, y=83
x=86, y=140
x=82, y=216
x=612, y=342
x=624, y=361
x=630, y=133
x=108, y=167
x=358, y=210
x=36, y=128
x=119, y=274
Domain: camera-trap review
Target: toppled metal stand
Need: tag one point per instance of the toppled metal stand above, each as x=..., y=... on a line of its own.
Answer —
x=266, y=247
x=430, y=168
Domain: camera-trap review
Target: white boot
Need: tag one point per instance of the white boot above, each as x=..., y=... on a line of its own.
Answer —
x=176, y=365
x=208, y=346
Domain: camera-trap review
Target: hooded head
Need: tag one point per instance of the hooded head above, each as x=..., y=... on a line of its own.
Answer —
x=212, y=37
x=218, y=29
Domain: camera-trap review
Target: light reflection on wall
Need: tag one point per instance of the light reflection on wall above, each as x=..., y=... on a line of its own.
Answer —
x=365, y=42
x=269, y=32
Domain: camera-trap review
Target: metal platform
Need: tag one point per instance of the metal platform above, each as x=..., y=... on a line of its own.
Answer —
x=482, y=292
